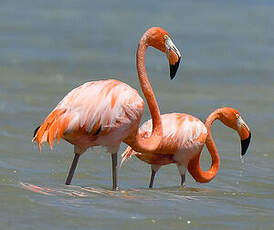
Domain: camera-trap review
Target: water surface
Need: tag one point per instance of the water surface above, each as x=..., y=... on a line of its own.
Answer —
x=50, y=47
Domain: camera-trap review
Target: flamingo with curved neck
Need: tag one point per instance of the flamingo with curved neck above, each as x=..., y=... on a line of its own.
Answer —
x=183, y=139
x=158, y=38
x=108, y=112
x=230, y=118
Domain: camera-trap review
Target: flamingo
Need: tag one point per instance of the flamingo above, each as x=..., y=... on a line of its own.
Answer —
x=183, y=139
x=108, y=112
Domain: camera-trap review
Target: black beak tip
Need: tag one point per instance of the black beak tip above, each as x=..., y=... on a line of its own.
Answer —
x=174, y=68
x=245, y=144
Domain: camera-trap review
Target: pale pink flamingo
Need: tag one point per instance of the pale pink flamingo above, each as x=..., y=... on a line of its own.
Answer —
x=183, y=140
x=107, y=112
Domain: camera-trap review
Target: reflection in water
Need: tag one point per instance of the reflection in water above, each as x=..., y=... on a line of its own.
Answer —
x=171, y=193
x=175, y=193
x=168, y=193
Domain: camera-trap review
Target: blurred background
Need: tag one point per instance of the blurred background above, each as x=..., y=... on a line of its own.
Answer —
x=49, y=47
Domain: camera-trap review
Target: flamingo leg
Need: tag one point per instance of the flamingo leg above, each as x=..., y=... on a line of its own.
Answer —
x=114, y=171
x=154, y=169
x=183, y=178
x=182, y=171
x=72, y=168
x=153, y=172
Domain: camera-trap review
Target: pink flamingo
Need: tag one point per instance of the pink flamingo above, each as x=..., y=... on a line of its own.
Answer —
x=107, y=112
x=183, y=139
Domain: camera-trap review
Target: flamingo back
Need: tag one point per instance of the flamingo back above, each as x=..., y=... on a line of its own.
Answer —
x=182, y=134
x=91, y=113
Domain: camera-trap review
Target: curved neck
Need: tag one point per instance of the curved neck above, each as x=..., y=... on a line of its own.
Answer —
x=137, y=142
x=194, y=167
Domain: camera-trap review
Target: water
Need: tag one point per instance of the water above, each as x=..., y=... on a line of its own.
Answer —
x=49, y=47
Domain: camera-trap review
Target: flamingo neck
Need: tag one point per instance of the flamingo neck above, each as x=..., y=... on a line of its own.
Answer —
x=136, y=141
x=194, y=167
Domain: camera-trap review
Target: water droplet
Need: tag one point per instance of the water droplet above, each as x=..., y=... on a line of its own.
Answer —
x=59, y=77
x=242, y=160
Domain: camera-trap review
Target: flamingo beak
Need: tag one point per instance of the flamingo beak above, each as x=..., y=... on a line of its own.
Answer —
x=173, y=55
x=245, y=144
x=245, y=135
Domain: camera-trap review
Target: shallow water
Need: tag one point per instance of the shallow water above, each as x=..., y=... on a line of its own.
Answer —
x=48, y=48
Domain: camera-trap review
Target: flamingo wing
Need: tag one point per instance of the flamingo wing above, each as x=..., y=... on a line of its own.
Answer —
x=181, y=132
x=90, y=110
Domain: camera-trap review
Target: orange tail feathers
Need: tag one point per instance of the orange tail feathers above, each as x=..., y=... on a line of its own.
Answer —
x=127, y=154
x=53, y=127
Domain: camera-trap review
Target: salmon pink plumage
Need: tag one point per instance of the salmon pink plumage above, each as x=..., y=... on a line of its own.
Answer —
x=107, y=112
x=183, y=139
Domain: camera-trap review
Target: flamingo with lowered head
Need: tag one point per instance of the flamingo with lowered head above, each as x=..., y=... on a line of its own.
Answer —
x=183, y=140
x=108, y=112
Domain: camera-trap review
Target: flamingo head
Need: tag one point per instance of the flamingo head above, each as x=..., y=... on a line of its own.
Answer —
x=160, y=39
x=232, y=118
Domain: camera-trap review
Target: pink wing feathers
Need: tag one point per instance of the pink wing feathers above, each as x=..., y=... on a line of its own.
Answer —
x=92, y=108
x=180, y=132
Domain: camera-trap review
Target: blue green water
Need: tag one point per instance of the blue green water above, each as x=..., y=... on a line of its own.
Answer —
x=49, y=47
